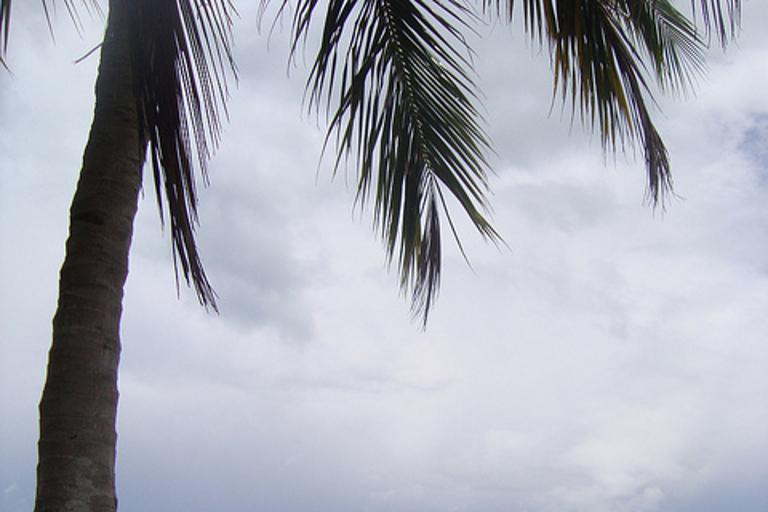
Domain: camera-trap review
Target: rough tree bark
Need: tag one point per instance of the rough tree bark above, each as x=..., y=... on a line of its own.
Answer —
x=77, y=446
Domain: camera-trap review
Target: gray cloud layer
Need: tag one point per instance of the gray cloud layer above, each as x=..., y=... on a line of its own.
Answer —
x=611, y=359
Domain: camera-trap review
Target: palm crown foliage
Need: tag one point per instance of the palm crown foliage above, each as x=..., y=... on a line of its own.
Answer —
x=396, y=79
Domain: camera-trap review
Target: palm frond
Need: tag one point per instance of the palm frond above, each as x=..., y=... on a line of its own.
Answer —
x=5, y=26
x=721, y=16
x=91, y=6
x=598, y=49
x=405, y=112
x=182, y=53
x=669, y=40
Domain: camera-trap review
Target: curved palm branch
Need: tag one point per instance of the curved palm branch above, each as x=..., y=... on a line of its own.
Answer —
x=405, y=111
x=181, y=54
x=599, y=50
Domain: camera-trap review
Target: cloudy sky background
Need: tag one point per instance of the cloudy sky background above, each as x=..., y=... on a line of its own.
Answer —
x=612, y=358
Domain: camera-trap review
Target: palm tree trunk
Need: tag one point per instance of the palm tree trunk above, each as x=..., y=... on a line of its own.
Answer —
x=78, y=409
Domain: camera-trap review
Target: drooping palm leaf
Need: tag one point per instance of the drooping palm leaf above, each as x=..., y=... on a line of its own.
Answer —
x=404, y=111
x=598, y=49
x=181, y=54
x=668, y=39
x=602, y=52
x=721, y=16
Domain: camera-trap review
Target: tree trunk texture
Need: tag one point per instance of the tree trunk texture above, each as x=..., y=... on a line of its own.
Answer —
x=77, y=446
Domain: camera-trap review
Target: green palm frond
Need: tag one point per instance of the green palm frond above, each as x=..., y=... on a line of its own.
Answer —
x=599, y=49
x=602, y=51
x=182, y=53
x=396, y=72
x=5, y=25
x=5, y=29
x=669, y=40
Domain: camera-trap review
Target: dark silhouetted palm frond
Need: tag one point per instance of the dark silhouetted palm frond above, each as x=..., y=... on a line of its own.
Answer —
x=5, y=24
x=5, y=29
x=398, y=75
x=601, y=52
x=721, y=16
x=181, y=54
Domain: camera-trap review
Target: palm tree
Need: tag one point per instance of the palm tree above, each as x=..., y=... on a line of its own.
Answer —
x=395, y=76
x=160, y=85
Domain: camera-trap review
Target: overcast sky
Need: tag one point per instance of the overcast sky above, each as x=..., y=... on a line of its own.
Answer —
x=612, y=358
